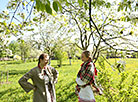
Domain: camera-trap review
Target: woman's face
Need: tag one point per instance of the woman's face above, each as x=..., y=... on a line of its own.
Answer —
x=45, y=60
x=83, y=57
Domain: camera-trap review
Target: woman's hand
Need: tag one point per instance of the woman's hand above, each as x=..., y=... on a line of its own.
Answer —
x=100, y=92
x=97, y=92
x=34, y=88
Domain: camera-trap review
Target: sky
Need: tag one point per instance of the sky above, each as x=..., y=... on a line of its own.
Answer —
x=3, y=4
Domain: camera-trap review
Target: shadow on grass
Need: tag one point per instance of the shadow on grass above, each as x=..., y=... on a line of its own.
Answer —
x=14, y=95
x=5, y=91
x=69, y=92
x=58, y=66
x=72, y=94
x=8, y=91
x=17, y=72
x=11, y=62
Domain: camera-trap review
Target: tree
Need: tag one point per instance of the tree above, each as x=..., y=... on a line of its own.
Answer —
x=24, y=50
x=98, y=34
x=34, y=53
x=60, y=55
x=4, y=51
x=80, y=11
x=14, y=47
x=60, y=52
x=50, y=31
x=72, y=51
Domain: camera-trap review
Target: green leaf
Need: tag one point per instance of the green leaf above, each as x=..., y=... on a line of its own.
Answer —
x=123, y=18
x=130, y=7
x=126, y=8
x=48, y=2
x=80, y=2
x=118, y=9
x=48, y=9
x=55, y=6
x=1, y=31
x=42, y=7
x=59, y=5
x=128, y=19
x=30, y=29
x=108, y=5
x=121, y=7
x=38, y=5
x=35, y=19
x=85, y=6
x=66, y=2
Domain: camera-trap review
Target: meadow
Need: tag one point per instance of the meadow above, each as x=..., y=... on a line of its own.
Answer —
x=12, y=92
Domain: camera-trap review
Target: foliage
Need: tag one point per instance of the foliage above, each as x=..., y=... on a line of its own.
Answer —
x=120, y=90
x=60, y=52
x=43, y=5
x=16, y=57
x=4, y=51
x=50, y=36
x=30, y=14
x=60, y=55
x=24, y=50
x=34, y=53
x=100, y=23
x=14, y=47
x=73, y=51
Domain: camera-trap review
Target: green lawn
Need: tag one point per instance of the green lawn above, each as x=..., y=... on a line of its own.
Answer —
x=64, y=88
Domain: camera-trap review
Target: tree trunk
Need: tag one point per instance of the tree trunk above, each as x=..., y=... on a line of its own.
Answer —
x=7, y=75
x=1, y=76
x=49, y=61
x=60, y=61
x=69, y=61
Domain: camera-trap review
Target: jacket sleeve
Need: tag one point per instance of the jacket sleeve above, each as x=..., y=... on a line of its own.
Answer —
x=23, y=81
x=55, y=74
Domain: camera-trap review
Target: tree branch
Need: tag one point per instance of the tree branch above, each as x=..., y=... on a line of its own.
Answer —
x=14, y=14
x=28, y=14
x=100, y=33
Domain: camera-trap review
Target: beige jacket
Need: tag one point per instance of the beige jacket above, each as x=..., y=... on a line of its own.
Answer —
x=40, y=93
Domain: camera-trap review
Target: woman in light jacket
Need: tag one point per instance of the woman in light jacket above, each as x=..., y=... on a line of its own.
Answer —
x=44, y=78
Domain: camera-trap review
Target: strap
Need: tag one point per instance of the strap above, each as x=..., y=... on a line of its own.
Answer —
x=83, y=86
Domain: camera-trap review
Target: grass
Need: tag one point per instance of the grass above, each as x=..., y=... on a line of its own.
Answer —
x=66, y=81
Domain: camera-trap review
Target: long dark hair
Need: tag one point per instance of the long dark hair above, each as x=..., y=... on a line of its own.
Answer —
x=41, y=57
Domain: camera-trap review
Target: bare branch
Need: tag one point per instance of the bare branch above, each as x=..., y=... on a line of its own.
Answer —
x=116, y=37
x=28, y=14
x=14, y=14
x=17, y=19
x=101, y=37
x=78, y=46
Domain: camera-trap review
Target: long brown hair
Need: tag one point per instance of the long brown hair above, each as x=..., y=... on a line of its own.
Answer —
x=41, y=57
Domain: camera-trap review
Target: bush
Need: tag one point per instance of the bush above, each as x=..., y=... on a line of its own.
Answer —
x=123, y=89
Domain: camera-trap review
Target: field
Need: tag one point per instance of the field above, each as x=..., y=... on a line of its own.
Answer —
x=12, y=92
